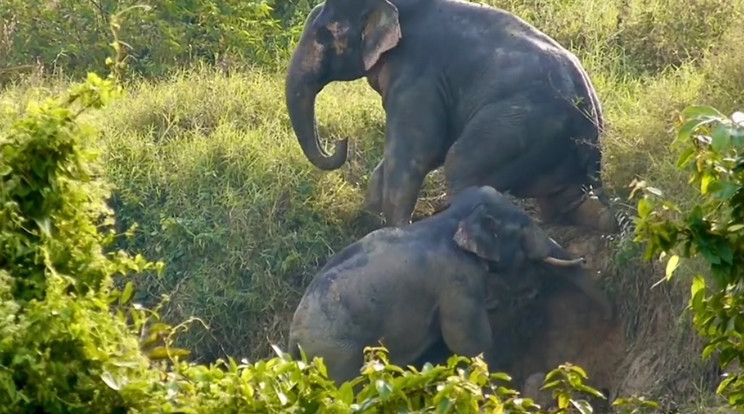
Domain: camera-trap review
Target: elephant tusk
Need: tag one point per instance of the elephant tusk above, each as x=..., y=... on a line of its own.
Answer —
x=561, y=262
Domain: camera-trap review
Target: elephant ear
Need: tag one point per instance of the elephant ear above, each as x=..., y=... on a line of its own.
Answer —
x=476, y=233
x=381, y=32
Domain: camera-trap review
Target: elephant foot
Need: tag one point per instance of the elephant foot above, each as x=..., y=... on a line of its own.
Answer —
x=594, y=214
x=373, y=204
x=572, y=206
x=364, y=222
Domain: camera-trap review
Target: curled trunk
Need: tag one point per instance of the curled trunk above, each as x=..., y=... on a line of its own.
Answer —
x=303, y=83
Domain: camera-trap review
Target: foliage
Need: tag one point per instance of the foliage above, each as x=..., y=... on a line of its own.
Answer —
x=72, y=36
x=713, y=230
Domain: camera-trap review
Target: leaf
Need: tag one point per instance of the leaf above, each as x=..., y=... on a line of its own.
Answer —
x=162, y=352
x=583, y=406
x=45, y=226
x=735, y=227
x=687, y=155
x=444, y=405
x=701, y=112
x=697, y=291
x=644, y=207
x=705, y=182
x=346, y=393
x=127, y=294
x=383, y=388
x=725, y=383
x=685, y=132
x=671, y=266
x=721, y=139
x=110, y=381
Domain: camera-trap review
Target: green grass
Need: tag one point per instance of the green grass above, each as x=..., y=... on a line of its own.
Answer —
x=207, y=165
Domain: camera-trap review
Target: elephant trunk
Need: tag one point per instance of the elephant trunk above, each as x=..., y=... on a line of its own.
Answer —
x=303, y=83
x=540, y=247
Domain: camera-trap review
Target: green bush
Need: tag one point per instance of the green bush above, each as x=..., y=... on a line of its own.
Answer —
x=712, y=230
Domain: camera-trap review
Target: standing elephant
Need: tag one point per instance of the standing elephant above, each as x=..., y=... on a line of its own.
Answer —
x=473, y=88
x=407, y=287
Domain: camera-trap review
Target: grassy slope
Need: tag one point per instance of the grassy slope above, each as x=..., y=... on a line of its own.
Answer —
x=208, y=167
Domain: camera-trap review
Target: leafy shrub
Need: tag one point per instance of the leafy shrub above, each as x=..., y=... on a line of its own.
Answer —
x=713, y=230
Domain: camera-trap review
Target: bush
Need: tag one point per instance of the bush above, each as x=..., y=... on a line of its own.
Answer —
x=712, y=229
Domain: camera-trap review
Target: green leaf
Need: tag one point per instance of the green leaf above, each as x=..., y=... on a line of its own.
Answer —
x=162, y=352
x=697, y=292
x=109, y=379
x=444, y=405
x=701, y=112
x=735, y=227
x=346, y=393
x=685, y=132
x=383, y=388
x=671, y=266
x=645, y=207
x=707, y=179
x=725, y=383
x=127, y=293
x=721, y=139
x=687, y=155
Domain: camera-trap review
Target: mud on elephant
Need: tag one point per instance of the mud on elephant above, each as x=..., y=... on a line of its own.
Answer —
x=407, y=287
x=469, y=87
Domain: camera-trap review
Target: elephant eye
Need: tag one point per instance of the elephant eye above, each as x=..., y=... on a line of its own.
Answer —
x=324, y=35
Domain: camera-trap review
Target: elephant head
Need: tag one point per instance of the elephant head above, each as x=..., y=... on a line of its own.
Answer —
x=497, y=231
x=341, y=41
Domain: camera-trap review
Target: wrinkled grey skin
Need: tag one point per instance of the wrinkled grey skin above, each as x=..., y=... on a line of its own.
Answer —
x=531, y=389
x=408, y=287
x=470, y=87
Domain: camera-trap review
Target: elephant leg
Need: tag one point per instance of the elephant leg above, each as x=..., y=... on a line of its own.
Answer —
x=402, y=185
x=415, y=135
x=345, y=364
x=466, y=329
x=506, y=145
x=373, y=200
x=571, y=205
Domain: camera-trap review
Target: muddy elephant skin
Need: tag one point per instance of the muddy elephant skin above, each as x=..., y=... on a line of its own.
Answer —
x=469, y=87
x=407, y=287
x=543, y=322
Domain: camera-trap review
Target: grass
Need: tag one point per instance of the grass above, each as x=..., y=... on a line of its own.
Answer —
x=207, y=166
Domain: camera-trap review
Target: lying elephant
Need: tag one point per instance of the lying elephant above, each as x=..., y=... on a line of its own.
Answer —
x=407, y=287
x=543, y=325
x=469, y=87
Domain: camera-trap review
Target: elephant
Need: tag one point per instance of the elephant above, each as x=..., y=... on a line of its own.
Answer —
x=471, y=88
x=404, y=287
x=554, y=324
